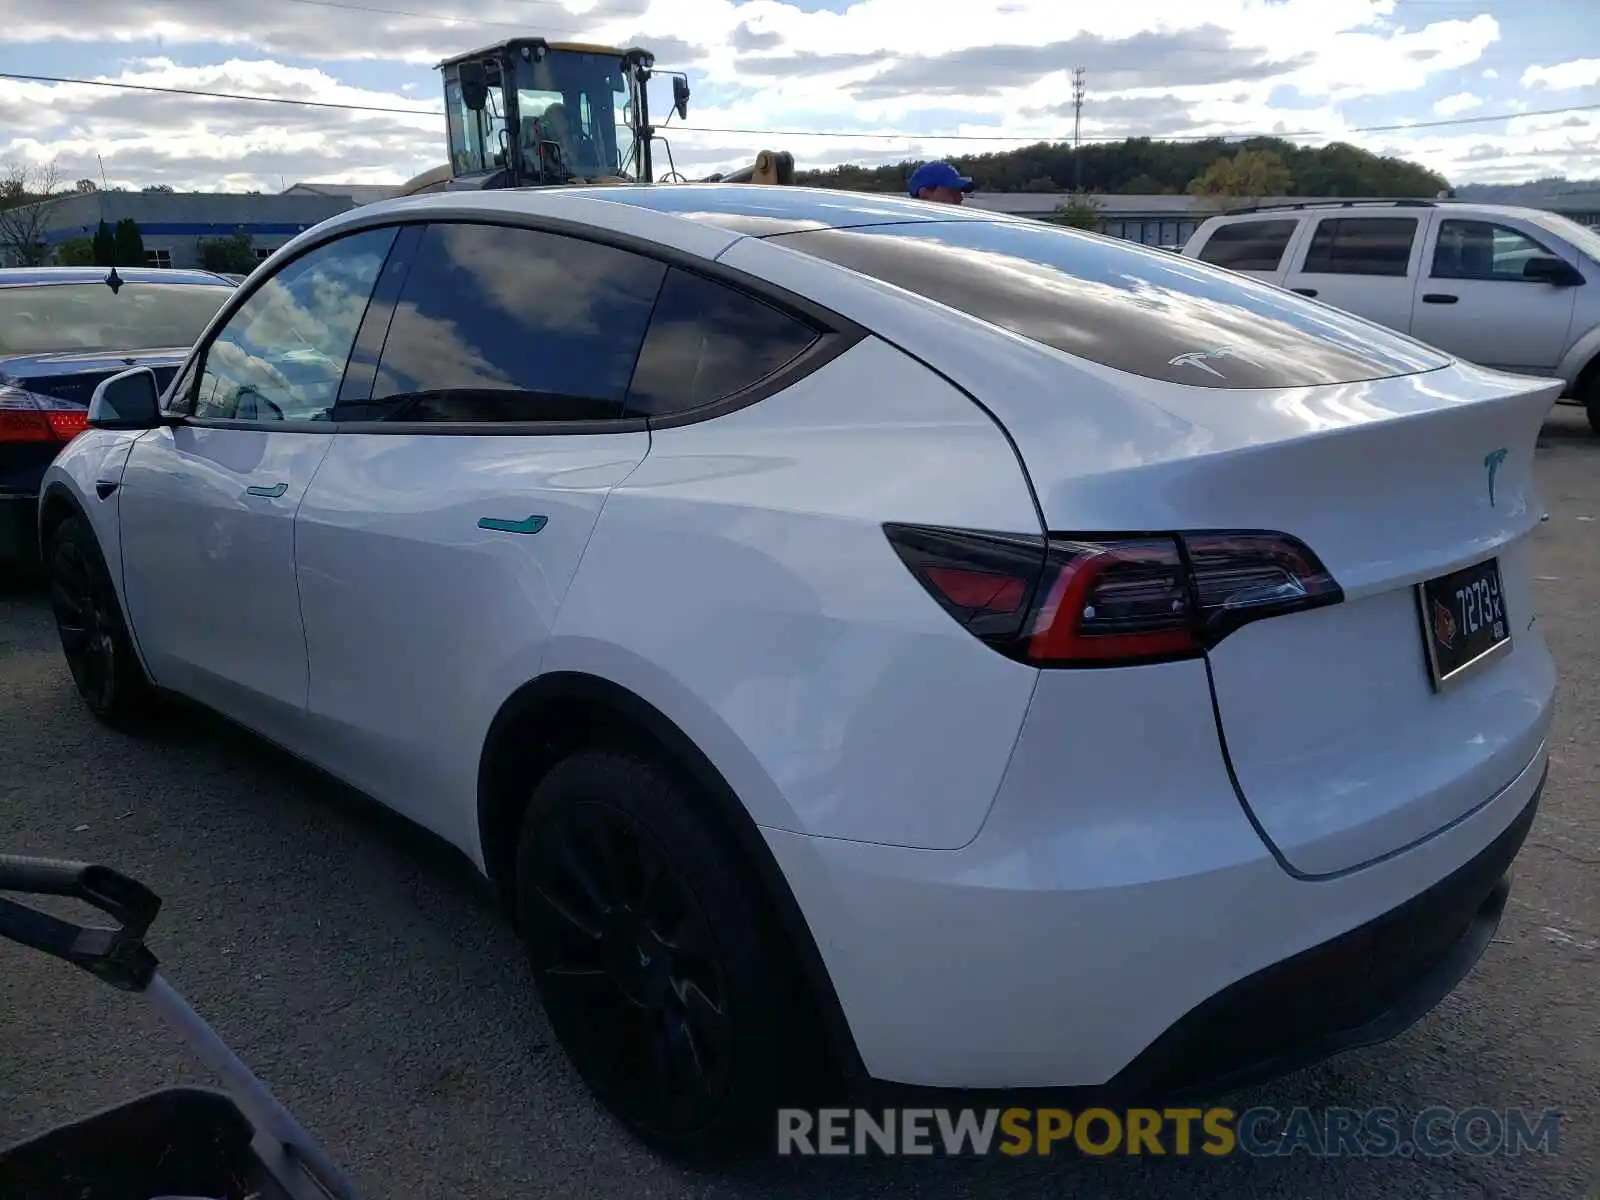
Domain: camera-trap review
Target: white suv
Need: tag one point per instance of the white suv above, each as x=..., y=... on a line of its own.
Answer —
x=853, y=631
x=1499, y=286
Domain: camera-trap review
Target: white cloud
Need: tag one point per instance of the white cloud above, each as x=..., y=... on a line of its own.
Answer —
x=1491, y=73
x=1456, y=104
x=1567, y=76
x=1155, y=68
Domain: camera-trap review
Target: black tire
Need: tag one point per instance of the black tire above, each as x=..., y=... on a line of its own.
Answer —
x=1591, y=400
x=94, y=636
x=643, y=980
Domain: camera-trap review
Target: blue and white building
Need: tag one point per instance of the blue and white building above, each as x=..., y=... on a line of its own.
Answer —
x=172, y=225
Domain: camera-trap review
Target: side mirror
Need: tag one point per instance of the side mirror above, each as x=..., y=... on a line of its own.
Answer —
x=474, y=86
x=1554, y=271
x=680, y=96
x=130, y=400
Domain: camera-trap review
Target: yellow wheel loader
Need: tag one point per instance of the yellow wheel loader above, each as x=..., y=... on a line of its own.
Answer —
x=532, y=113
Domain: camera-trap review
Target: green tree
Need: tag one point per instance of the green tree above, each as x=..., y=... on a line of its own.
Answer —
x=1143, y=184
x=130, y=244
x=76, y=252
x=1241, y=179
x=105, y=246
x=1147, y=166
x=232, y=255
x=1081, y=211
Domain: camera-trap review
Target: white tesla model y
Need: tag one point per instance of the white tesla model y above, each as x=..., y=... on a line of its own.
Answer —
x=1019, y=657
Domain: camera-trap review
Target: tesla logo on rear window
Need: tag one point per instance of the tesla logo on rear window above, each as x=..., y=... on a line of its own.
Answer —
x=1200, y=358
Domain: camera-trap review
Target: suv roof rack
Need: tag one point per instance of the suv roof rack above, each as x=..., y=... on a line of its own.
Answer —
x=1255, y=208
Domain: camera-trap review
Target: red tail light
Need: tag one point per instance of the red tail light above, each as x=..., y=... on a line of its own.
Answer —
x=29, y=417
x=1112, y=600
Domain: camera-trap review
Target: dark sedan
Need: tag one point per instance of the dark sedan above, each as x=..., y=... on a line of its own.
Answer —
x=63, y=330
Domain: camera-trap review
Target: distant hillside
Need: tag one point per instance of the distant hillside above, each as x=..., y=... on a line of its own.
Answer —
x=1144, y=166
x=1533, y=192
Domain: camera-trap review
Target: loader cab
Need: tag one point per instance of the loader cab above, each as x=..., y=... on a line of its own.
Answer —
x=531, y=113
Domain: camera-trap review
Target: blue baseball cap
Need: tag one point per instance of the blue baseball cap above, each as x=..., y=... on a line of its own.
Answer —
x=937, y=174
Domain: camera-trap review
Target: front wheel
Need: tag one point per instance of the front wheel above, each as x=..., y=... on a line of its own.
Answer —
x=661, y=978
x=94, y=637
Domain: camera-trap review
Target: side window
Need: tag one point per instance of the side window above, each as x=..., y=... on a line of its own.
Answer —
x=465, y=155
x=1481, y=250
x=498, y=324
x=1248, y=245
x=707, y=341
x=282, y=353
x=1361, y=246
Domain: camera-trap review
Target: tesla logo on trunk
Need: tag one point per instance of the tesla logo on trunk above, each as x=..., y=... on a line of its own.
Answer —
x=1199, y=358
x=1492, y=461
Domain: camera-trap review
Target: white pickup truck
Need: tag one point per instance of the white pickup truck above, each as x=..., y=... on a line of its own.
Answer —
x=1513, y=288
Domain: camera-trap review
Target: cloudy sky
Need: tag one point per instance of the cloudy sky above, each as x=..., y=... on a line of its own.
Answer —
x=832, y=80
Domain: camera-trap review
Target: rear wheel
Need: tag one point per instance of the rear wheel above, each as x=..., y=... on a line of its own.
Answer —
x=94, y=637
x=660, y=977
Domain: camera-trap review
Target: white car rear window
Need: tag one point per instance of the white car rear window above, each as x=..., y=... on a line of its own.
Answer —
x=1123, y=305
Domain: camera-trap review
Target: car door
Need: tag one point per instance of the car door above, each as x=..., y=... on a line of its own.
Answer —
x=481, y=430
x=1365, y=264
x=1475, y=303
x=207, y=503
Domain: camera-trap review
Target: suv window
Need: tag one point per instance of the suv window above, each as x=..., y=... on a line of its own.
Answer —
x=1248, y=245
x=1482, y=250
x=282, y=353
x=1361, y=246
x=498, y=324
x=1139, y=310
x=708, y=341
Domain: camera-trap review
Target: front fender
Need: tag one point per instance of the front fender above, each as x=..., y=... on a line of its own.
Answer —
x=87, y=475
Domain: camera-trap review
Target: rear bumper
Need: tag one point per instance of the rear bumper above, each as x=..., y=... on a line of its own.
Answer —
x=1359, y=989
x=1139, y=941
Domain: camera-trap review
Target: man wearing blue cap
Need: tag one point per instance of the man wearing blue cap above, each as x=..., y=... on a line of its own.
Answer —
x=939, y=182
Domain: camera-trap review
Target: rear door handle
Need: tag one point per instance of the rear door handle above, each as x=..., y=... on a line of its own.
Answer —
x=272, y=493
x=1305, y=291
x=531, y=524
x=1439, y=298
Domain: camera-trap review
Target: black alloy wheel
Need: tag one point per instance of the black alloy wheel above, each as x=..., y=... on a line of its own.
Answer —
x=89, y=623
x=659, y=975
x=626, y=965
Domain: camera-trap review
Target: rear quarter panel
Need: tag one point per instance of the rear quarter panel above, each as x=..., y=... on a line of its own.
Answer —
x=741, y=582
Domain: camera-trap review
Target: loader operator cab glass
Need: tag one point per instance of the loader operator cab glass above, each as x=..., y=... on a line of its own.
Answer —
x=571, y=107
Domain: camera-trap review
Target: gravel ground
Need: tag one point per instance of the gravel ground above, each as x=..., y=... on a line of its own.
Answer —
x=362, y=973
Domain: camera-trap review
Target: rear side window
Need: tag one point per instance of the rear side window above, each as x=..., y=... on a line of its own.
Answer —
x=1361, y=246
x=1248, y=245
x=1139, y=310
x=498, y=325
x=708, y=341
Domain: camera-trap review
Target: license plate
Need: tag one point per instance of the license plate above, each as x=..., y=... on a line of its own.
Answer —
x=1464, y=622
